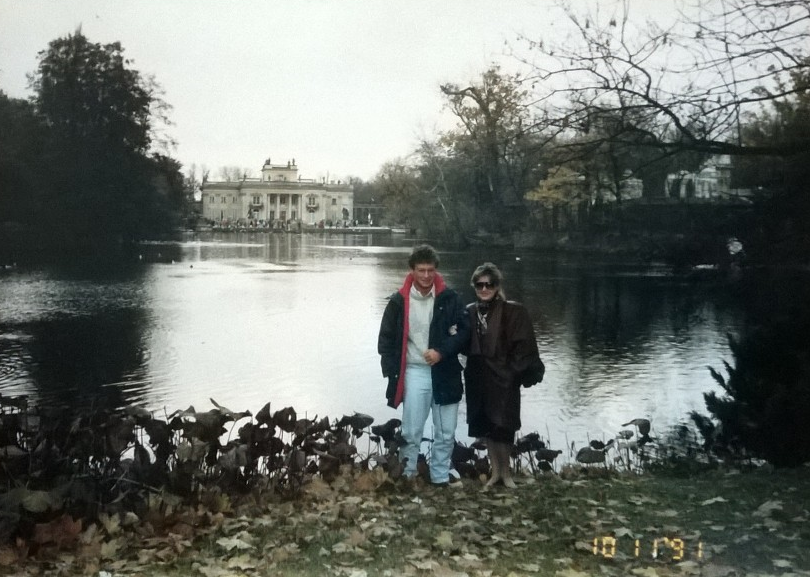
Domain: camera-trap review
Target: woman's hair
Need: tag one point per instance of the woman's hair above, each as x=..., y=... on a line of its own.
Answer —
x=494, y=274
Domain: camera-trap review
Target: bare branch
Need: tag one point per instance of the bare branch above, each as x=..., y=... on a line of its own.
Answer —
x=690, y=84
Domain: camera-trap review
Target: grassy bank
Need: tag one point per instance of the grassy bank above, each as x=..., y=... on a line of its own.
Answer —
x=365, y=524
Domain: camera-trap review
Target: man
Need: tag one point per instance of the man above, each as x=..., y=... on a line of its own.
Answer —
x=423, y=329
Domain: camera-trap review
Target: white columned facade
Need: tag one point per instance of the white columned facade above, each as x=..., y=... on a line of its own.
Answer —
x=259, y=202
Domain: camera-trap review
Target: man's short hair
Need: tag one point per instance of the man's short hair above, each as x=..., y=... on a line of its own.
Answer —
x=422, y=254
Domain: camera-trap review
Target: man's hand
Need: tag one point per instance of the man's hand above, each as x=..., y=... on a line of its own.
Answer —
x=432, y=356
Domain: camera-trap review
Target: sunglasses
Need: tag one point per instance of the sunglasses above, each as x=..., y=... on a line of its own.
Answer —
x=485, y=285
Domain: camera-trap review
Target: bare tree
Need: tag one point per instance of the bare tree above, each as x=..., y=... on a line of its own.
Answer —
x=191, y=183
x=493, y=117
x=397, y=183
x=234, y=173
x=686, y=86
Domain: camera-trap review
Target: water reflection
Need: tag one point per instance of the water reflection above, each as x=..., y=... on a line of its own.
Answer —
x=79, y=361
x=293, y=319
x=68, y=337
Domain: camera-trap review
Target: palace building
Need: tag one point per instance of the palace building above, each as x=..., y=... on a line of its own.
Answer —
x=279, y=198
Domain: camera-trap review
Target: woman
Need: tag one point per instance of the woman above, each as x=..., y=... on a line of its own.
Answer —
x=502, y=355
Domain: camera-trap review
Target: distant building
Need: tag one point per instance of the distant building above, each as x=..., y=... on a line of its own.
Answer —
x=279, y=198
x=711, y=181
x=565, y=185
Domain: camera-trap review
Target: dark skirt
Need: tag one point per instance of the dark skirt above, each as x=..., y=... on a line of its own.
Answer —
x=484, y=402
x=483, y=427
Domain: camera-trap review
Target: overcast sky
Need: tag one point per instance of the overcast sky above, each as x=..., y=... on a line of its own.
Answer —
x=341, y=86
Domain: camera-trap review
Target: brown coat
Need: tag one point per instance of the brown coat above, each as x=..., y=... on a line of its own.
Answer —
x=496, y=361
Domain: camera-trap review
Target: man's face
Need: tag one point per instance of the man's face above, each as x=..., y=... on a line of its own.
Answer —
x=423, y=275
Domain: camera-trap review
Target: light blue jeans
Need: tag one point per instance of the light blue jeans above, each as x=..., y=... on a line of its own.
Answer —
x=417, y=404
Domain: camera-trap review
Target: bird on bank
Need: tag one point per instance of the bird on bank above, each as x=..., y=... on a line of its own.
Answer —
x=547, y=454
x=589, y=455
x=643, y=425
x=643, y=428
x=599, y=445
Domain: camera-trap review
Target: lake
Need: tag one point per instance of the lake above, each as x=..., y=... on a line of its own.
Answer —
x=244, y=319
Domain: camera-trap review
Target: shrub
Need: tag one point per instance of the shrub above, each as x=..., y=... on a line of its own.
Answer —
x=767, y=397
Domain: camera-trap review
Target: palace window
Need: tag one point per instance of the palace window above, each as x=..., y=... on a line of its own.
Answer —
x=257, y=199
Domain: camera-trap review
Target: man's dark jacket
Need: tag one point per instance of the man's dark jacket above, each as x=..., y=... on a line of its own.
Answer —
x=449, y=335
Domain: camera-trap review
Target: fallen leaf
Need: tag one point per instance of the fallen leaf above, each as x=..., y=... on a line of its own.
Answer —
x=214, y=571
x=356, y=538
x=468, y=561
x=689, y=568
x=714, y=500
x=130, y=519
x=370, y=480
x=233, y=543
x=571, y=573
x=645, y=572
x=111, y=523
x=38, y=501
x=243, y=562
x=584, y=546
x=109, y=550
x=342, y=547
x=428, y=565
x=145, y=556
x=62, y=531
x=711, y=570
x=284, y=553
x=444, y=540
x=8, y=557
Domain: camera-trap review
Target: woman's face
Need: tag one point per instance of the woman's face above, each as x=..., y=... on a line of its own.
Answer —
x=484, y=288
